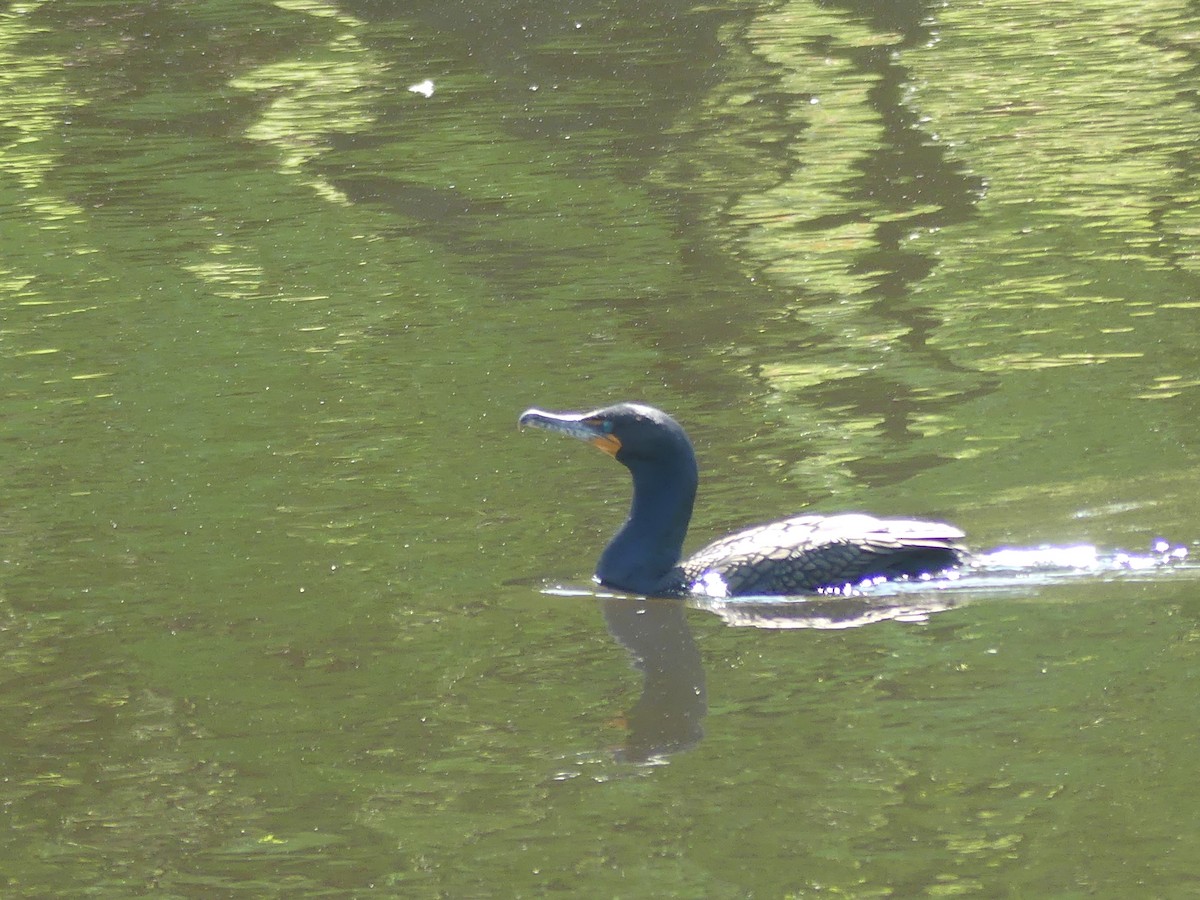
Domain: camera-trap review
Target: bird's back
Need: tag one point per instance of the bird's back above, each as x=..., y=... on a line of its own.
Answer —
x=804, y=554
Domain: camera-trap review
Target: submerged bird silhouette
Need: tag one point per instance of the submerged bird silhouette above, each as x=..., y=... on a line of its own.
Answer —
x=798, y=555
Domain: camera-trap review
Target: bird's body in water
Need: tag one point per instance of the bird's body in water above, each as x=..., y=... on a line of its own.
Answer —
x=799, y=555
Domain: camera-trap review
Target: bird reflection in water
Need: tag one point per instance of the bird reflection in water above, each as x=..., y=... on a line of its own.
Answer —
x=667, y=717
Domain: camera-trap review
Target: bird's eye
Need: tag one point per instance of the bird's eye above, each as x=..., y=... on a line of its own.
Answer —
x=604, y=425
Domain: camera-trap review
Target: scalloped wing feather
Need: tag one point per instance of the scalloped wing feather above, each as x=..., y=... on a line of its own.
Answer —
x=809, y=553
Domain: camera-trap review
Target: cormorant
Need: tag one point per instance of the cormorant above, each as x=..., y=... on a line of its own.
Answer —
x=799, y=555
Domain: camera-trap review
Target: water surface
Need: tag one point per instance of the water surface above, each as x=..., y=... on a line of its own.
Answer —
x=273, y=608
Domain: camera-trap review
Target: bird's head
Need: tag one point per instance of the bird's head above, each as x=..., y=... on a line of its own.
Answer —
x=632, y=433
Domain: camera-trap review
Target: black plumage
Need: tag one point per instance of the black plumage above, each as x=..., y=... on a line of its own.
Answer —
x=799, y=555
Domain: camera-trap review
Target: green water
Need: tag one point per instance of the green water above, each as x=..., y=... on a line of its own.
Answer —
x=273, y=554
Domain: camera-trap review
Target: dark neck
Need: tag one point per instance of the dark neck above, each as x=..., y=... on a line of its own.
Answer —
x=643, y=553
